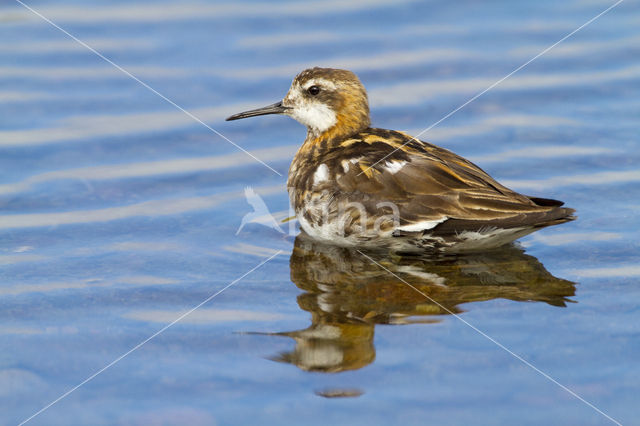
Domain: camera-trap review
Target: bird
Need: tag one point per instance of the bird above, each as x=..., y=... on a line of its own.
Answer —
x=260, y=213
x=354, y=185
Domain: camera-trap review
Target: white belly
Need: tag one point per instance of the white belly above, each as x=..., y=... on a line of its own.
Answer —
x=333, y=232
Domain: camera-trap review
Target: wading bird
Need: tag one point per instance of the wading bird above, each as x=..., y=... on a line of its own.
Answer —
x=354, y=185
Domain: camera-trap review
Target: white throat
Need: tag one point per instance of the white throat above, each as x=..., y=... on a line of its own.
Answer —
x=316, y=116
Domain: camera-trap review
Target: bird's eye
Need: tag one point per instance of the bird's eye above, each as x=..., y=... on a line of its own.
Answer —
x=313, y=90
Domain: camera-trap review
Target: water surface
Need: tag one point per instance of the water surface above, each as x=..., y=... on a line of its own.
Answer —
x=118, y=213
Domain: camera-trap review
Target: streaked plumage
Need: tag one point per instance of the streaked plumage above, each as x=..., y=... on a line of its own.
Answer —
x=351, y=184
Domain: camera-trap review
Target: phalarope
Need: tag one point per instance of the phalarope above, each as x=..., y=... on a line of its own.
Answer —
x=354, y=185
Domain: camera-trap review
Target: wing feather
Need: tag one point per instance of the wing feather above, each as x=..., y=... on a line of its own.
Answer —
x=432, y=185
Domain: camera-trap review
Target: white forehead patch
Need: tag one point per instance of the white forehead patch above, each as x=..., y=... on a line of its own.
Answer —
x=321, y=174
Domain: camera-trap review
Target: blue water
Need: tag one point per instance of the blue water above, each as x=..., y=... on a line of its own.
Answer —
x=118, y=213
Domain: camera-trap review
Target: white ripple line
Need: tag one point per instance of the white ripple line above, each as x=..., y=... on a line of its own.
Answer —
x=500, y=345
x=147, y=86
x=496, y=83
x=115, y=361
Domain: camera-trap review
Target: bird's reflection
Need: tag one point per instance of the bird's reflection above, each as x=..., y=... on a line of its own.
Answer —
x=347, y=294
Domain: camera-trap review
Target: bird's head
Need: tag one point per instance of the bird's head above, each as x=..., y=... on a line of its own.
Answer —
x=330, y=102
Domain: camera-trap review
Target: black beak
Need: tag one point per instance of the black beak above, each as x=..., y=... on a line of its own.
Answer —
x=276, y=108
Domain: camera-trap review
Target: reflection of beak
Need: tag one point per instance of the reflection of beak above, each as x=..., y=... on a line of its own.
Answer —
x=276, y=108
